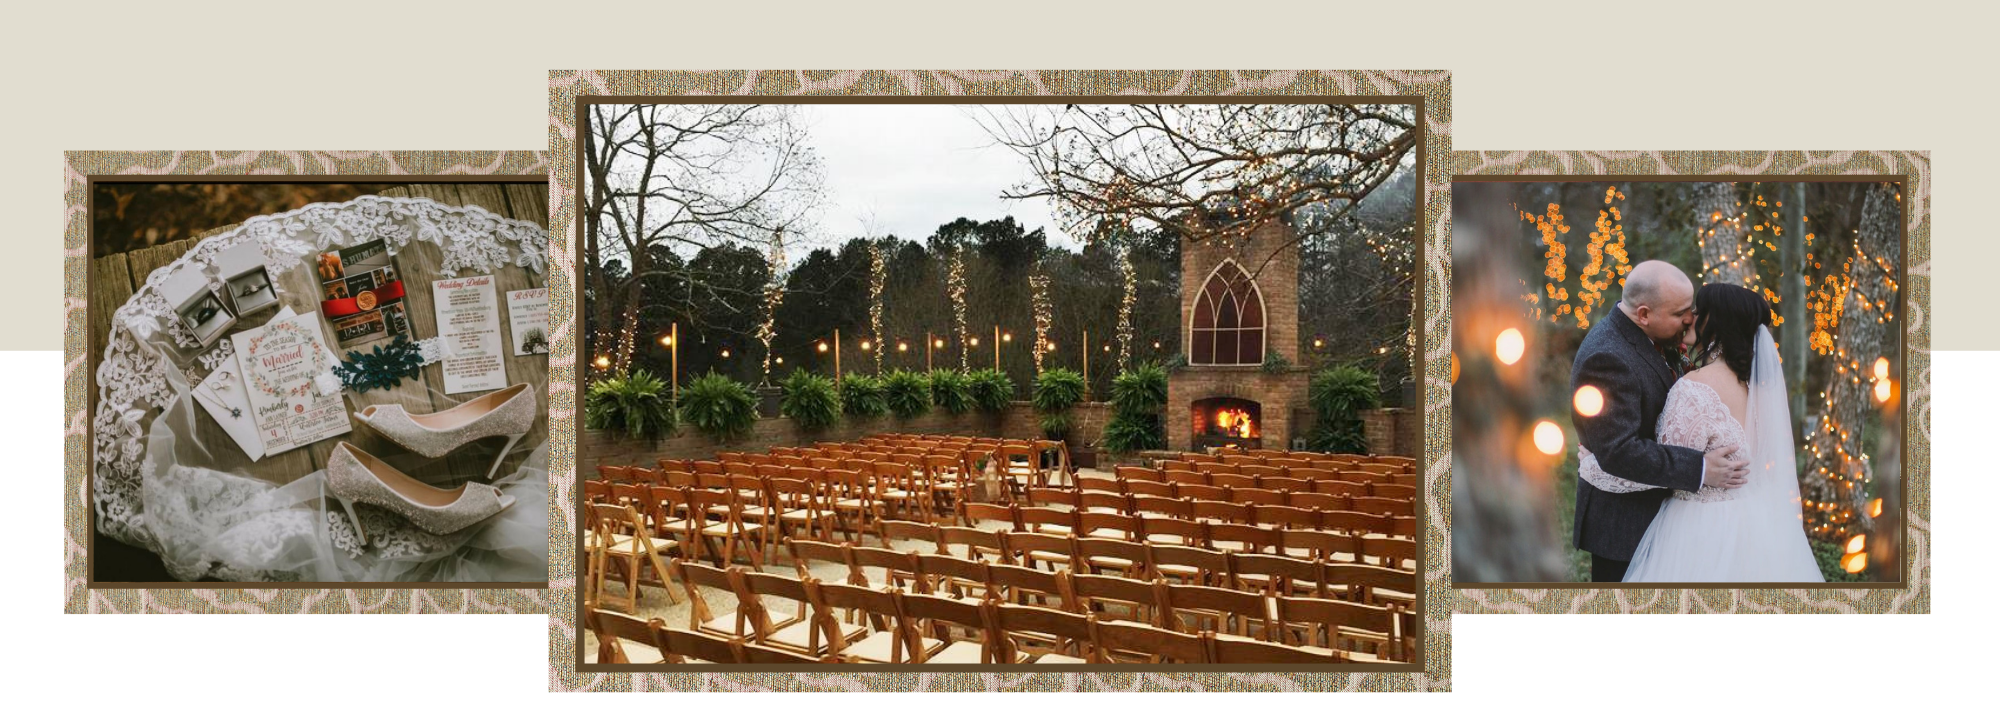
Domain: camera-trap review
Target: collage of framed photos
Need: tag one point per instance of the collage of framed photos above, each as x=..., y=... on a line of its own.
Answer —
x=1243, y=381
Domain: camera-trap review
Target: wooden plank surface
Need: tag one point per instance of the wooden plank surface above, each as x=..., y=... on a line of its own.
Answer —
x=117, y=275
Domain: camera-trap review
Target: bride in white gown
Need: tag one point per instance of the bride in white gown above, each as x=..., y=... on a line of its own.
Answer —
x=1755, y=533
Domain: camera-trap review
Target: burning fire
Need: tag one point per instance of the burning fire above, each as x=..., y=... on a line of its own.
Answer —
x=1235, y=422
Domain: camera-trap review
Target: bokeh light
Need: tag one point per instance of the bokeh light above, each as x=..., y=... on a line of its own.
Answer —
x=1589, y=400
x=1510, y=346
x=1548, y=437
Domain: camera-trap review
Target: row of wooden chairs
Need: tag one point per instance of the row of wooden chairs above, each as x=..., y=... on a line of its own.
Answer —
x=1230, y=477
x=937, y=568
x=856, y=623
x=1102, y=507
x=1335, y=496
x=1295, y=457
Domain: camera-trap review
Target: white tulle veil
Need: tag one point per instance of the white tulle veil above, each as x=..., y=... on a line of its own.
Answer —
x=1777, y=533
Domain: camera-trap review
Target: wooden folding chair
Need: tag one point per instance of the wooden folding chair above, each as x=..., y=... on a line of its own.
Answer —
x=1051, y=497
x=1285, y=517
x=1123, y=558
x=1361, y=632
x=806, y=553
x=851, y=497
x=1116, y=526
x=1244, y=538
x=1285, y=483
x=1190, y=608
x=1031, y=548
x=1124, y=641
x=988, y=516
x=924, y=535
x=1213, y=512
x=800, y=507
x=1319, y=545
x=687, y=646
x=633, y=552
x=693, y=576
x=899, y=568
x=1138, y=487
x=614, y=473
x=1135, y=472
x=884, y=640
x=1277, y=575
x=896, y=489
x=1186, y=477
x=616, y=630
x=1319, y=501
x=797, y=630
x=947, y=631
x=718, y=515
x=1373, y=585
x=1025, y=585
x=1167, y=530
x=1093, y=501
x=1253, y=496
x=1099, y=484
x=1043, y=519
x=1227, y=650
x=1053, y=637
x=1189, y=565
x=1393, y=553
x=1114, y=598
x=953, y=576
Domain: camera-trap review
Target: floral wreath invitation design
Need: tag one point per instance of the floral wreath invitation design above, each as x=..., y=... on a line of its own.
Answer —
x=1811, y=269
x=264, y=317
x=621, y=364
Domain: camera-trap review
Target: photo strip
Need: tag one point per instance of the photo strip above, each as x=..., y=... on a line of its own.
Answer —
x=240, y=434
x=974, y=384
x=1684, y=382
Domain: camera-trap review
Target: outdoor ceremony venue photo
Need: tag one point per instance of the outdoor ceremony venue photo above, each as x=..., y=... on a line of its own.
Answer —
x=996, y=384
x=1678, y=382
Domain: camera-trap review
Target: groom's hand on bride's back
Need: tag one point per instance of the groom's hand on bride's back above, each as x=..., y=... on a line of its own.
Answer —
x=1721, y=468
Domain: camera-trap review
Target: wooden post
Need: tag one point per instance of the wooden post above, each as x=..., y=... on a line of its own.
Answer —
x=836, y=357
x=927, y=351
x=1086, y=364
x=674, y=351
x=996, y=346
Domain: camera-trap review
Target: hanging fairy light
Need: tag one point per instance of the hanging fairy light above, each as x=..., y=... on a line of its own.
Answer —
x=774, y=294
x=955, y=282
x=878, y=275
x=1509, y=346
x=1125, y=304
x=1038, y=288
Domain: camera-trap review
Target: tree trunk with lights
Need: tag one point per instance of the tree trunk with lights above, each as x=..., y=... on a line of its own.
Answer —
x=1792, y=309
x=1837, y=464
x=1724, y=257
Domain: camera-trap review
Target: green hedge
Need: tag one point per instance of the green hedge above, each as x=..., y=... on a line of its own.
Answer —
x=862, y=396
x=810, y=400
x=951, y=390
x=909, y=393
x=641, y=405
x=992, y=390
x=721, y=408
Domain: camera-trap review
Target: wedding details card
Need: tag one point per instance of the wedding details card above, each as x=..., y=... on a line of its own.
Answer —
x=528, y=319
x=468, y=320
x=282, y=363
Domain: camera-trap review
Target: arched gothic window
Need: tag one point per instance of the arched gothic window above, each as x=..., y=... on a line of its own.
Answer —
x=1228, y=320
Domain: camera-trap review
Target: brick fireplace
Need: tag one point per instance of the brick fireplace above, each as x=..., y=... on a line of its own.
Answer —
x=1239, y=304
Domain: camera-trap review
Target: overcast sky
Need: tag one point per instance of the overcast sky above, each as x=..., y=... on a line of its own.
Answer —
x=913, y=168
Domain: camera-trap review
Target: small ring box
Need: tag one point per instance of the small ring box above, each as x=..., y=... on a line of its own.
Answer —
x=198, y=307
x=245, y=278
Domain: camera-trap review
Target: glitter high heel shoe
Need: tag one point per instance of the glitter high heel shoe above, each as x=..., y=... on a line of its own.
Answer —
x=506, y=412
x=352, y=475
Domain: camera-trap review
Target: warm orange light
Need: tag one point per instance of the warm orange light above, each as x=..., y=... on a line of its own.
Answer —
x=1007, y=337
x=1854, y=563
x=1589, y=400
x=1875, y=508
x=1235, y=422
x=974, y=341
x=822, y=346
x=1857, y=543
x=1052, y=345
x=1156, y=345
x=603, y=362
x=667, y=341
x=902, y=346
x=725, y=352
x=1882, y=390
x=1319, y=343
x=779, y=360
x=1548, y=437
x=1881, y=368
x=1454, y=368
x=939, y=343
x=865, y=345
x=1510, y=346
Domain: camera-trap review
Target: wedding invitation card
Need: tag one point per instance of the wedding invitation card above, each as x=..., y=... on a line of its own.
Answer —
x=468, y=319
x=528, y=319
x=283, y=364
x=361, y=294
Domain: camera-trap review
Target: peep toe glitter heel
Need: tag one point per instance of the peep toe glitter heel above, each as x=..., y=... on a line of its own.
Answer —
x=355, y=476
x=506, y=412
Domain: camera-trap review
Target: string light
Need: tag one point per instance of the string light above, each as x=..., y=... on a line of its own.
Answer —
x=774, y=294
x=878, y=274
x=1038, y=288
x=822, y=346
x=955, y=282
x=1125, y=305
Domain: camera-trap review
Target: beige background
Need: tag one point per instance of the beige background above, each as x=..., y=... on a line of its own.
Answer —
x=1834, y=75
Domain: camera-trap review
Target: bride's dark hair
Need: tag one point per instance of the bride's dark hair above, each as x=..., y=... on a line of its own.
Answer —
x=1726, y=318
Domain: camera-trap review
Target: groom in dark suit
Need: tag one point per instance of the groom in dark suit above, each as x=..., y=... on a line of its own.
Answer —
x=1621, y=357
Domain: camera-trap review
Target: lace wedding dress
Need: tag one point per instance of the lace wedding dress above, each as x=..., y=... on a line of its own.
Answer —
x=1755, y=533
x=156, y=485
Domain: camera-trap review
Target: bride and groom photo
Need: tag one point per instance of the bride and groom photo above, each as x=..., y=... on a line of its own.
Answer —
x=1702, y=388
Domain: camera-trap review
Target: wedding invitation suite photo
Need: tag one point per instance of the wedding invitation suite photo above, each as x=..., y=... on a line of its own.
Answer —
x=305, y=383
x=1679, y=381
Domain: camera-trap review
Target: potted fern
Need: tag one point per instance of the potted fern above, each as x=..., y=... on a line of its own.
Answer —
x=1056, y=391
x=718, y=407
x=908, y=393
x=810, y=400
x=638, y=404
x=1138, y=396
